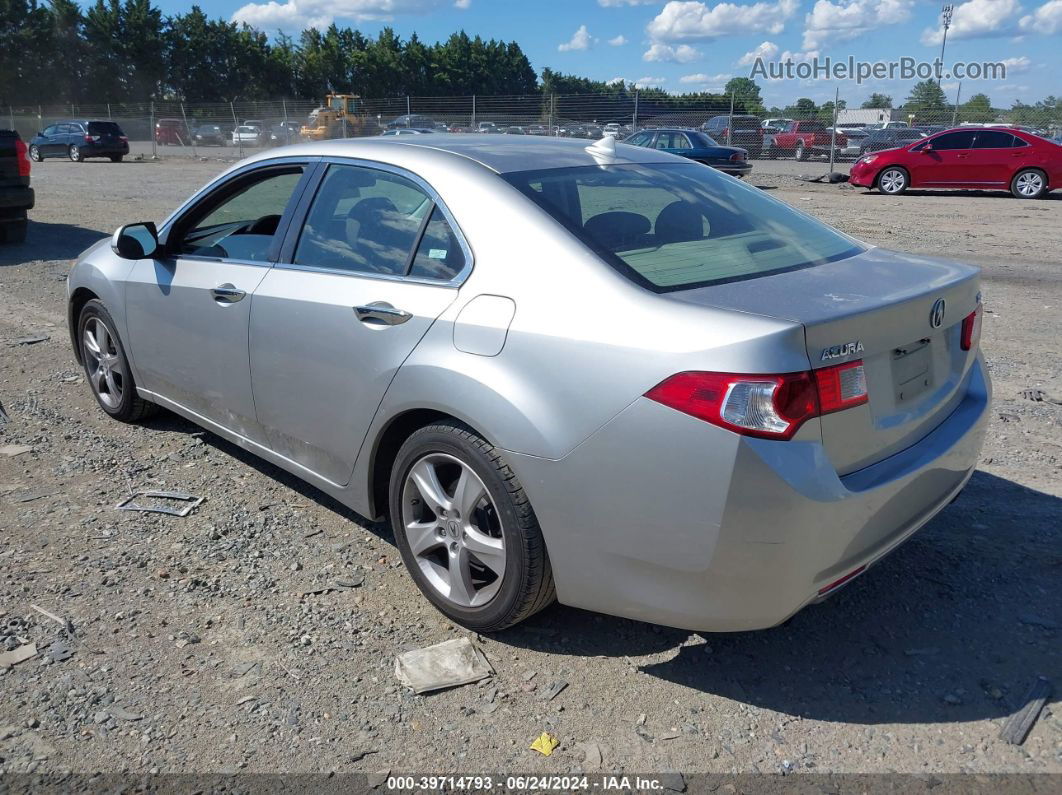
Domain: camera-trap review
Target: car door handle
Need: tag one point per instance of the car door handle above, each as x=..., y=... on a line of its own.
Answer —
x=227, y=294
x=961, y=157
x=381, y=312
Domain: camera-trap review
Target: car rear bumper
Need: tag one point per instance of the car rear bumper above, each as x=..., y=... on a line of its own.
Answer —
x=735, y=169
x=663, y=518
x=16, y=197
x=104, y=150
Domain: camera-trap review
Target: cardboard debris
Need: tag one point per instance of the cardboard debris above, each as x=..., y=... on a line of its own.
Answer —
x=1018, y=725
x=545, y=744
x=448, y=664
x=15, y=656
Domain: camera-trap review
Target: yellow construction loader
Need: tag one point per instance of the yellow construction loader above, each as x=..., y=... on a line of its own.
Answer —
x=337, y=118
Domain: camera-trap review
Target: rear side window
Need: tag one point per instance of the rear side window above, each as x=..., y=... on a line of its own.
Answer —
x=439, y=255
x=104, y=128
x=677, y=226
x=365, y=221
x=994, y=139
x=641, y=139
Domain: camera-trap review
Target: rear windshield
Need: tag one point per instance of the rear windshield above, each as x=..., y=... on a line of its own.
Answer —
x=677, y=226
x=104, y=128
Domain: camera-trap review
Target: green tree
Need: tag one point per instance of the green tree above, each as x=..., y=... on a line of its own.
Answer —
x=803, y=108
x=977, y=108
x=877, y=101
x=746, y=93
x=928, y=103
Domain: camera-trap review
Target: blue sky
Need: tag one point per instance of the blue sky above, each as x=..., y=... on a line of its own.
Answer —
x=692, y=45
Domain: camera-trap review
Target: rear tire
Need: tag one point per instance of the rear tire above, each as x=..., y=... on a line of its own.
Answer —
x=799, y=154
x=1029, y=183
x=116, y=158
x=107, y=366
x=498, y=513
x=893, y=180
x=14, y=230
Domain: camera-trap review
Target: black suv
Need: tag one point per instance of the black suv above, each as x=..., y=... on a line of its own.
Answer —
x=16, y=196
x=745, y=132
x=80, y=140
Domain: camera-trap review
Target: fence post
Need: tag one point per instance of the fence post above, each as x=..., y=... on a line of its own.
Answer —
x=11, y=114
x=109, y=111
x=473, y=111
x=730, y=120
x=552, y=97
x=833, y=128
x=955, y=112
x=187, y=129
x=151, y=132
x=235, y=128
x=408, y=120
x=284, y=105
x=635, y=111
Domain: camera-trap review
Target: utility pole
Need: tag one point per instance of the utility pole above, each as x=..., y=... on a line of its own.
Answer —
x=945, y=17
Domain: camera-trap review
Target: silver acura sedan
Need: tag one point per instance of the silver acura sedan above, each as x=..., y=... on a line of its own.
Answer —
x=601, y=374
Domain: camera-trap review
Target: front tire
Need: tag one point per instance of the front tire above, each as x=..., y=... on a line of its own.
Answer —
x=893, y=181
x=107, y=366
x=1029, y=183
x=116, y=158
x=799, y=153
x=75, y=153
x=466, y=530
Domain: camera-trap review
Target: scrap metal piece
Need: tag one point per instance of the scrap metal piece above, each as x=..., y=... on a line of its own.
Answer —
x=15, y=656
x=1017, y=727
x=192, y=501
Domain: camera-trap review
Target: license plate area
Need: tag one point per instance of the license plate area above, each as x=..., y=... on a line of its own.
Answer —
x=912, y=372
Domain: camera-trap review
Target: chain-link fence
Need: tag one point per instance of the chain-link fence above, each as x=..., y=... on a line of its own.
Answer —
x=804, y=131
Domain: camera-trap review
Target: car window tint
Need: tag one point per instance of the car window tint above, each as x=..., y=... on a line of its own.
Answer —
x=50, y=130
x=680, y=141
x=362, y=220
x=678, y=225
x=439, y=255
x=242, y=225
x=955, y=140
x=663, y=140
x=104, y=128
x=641, y=139
x=993, y=139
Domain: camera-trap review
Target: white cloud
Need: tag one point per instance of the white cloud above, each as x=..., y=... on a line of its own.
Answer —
x=649, y=82
x=615, y=80
x=1047, y=19
x=683, y=53
x=580, y=40
x=462, y=4
x=799, y=57
x=1015, y=66
x=693, y=21
x=701, y=79
x=976, y=19
x=832, y=21
x=296, y=15
x=767, y=50
x=618, y=41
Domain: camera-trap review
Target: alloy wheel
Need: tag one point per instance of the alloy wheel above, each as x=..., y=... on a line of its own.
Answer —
x=35, y=154
x=453, y=530
x=892, y=181
x=1029, y=183
x=104, y=365
x=75, y=154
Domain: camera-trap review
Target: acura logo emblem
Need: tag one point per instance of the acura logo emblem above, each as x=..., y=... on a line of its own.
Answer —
x=936, y=314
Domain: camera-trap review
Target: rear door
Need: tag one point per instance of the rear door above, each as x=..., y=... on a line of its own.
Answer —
x=993, y=159
x=360, y=280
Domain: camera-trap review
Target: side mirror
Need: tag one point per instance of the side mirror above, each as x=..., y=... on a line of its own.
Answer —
x=927, y=148
x=135, y=241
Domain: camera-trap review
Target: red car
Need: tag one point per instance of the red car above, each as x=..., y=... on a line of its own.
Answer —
x=969, y=157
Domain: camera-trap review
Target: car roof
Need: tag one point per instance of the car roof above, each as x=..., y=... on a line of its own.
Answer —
x=502, y=154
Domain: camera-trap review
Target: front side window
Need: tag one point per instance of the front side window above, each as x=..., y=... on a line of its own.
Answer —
x=52, y=130
x=677, y=226
x=364, y=220
x=955, y=140
x=241, y=221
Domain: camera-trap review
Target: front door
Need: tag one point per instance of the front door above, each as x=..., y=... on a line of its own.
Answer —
x=187, y=311
x=375, y=262
x=945, y=160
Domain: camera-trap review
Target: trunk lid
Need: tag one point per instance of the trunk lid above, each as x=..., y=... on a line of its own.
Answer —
x=877, y=307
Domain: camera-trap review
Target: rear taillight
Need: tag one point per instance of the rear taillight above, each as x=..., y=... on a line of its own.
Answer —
x=766, y=406
x=22, y=155
x=971, y=329
x=841, y=386
x=123, y=138
x=737, y=156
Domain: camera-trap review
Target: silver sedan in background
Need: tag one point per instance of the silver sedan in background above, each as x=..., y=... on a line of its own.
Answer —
x=601, y=374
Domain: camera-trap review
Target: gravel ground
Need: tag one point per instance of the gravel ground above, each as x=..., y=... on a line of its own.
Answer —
x=195, y=646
